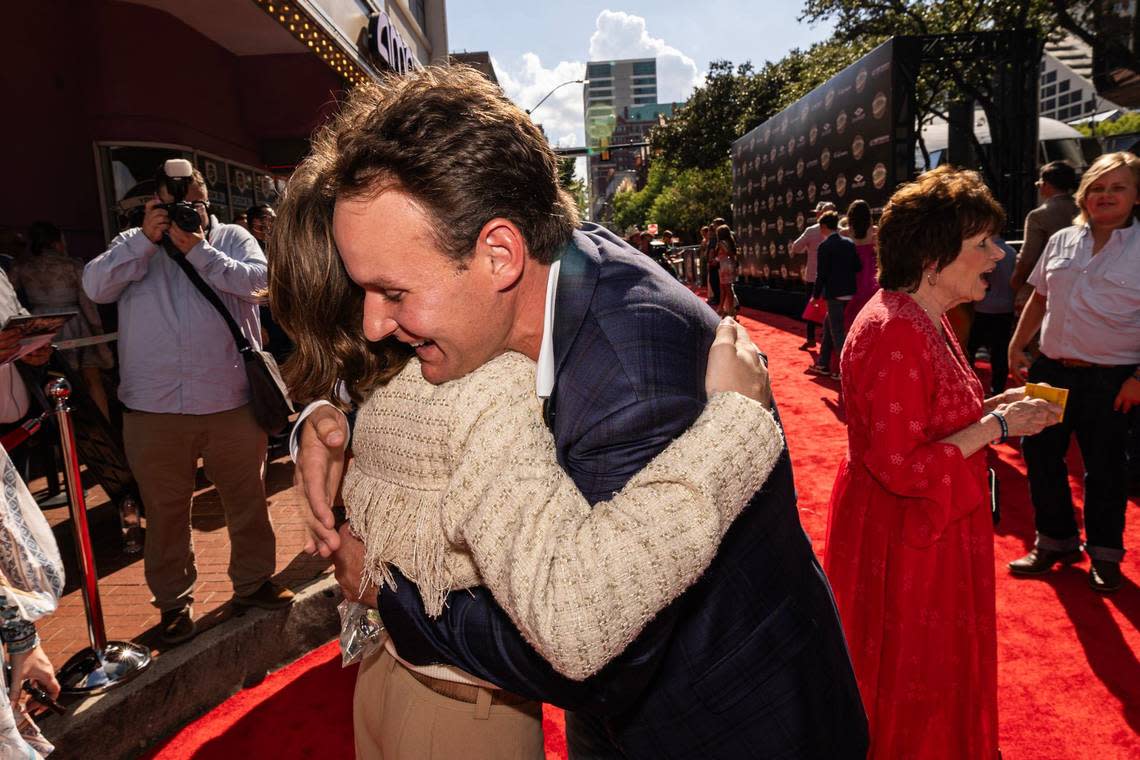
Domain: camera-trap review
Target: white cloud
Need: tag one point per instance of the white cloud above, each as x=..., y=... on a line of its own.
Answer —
x=620, y=35
x=528, y=81
x=616, y=35
x=560, y=115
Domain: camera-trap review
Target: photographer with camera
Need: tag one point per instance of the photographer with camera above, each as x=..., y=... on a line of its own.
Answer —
x=185, y=388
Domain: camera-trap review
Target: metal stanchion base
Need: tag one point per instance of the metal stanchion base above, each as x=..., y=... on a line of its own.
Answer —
x=89, y=672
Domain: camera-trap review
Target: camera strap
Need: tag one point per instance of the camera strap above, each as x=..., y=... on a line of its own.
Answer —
x=243, y=345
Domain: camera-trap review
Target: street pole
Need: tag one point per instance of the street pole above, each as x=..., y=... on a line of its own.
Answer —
x=547, y=95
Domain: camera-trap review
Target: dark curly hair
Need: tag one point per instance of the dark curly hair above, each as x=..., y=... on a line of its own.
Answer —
x=926, y=221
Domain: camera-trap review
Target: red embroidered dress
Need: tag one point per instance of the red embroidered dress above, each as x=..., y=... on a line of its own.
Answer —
x=910, y=539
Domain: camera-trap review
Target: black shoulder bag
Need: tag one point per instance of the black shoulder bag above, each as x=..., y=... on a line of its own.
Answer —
x=268, y=395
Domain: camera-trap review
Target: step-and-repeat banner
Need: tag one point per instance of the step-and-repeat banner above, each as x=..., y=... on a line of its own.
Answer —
x=834, y=144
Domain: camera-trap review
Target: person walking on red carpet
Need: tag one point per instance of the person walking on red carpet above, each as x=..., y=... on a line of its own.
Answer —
x=862, y=233
x=1086, y=303
x=807, y=245
x=910, y=538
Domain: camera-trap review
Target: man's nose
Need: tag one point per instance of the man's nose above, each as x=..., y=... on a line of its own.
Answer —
x=378, y=320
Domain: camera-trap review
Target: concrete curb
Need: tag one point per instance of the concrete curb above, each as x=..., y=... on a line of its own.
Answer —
x=185, y=682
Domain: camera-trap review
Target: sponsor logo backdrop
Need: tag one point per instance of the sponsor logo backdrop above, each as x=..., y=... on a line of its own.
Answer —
x=834, y=144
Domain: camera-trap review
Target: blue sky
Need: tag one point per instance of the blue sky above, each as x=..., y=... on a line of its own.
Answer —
x=538, y=45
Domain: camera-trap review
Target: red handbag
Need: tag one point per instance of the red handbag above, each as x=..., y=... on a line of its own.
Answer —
x=816, y=310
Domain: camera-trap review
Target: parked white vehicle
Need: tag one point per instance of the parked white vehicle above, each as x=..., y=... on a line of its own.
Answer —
x=1055, y=141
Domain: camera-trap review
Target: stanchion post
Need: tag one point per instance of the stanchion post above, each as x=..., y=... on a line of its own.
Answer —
x=77, y=503
x=104, y=664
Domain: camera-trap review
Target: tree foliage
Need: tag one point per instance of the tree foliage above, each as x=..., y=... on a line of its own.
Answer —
x=1127, y=124
x=695, y=197
x=570, y=183
x=631, y=209
x=1093, y=21
x=737, y=98
x=677, y=199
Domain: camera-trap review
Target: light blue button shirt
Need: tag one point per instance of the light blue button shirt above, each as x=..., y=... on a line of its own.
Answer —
x=176, y=354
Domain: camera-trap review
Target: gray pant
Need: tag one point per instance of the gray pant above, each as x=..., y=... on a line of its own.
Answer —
x=834, y=332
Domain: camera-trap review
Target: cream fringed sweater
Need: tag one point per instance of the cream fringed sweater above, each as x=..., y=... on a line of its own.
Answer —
x=457, y=485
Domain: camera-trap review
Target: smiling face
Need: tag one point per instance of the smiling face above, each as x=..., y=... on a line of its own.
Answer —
x=1110, y=199
x=456, y=317
x=966, y=277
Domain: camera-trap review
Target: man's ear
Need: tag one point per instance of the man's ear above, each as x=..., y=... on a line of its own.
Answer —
x=503, y=248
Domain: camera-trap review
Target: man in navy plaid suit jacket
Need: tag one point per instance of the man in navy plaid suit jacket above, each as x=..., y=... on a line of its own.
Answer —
x=751, y=660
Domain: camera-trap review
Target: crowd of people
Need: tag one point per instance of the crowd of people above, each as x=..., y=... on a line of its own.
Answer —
x=634, y=555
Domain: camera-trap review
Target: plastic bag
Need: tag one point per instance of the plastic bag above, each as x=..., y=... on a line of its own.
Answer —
x=361, y=632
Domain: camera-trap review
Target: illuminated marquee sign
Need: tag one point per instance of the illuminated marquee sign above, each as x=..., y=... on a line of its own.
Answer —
x=386, y=46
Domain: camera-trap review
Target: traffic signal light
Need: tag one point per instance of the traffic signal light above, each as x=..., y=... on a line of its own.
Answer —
x=605, y=149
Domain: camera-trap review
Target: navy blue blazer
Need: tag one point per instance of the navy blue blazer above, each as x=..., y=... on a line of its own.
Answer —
x=751, y=660
x=838, y=263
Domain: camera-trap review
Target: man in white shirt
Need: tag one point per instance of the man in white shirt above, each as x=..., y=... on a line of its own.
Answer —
x=186, y=394
x=808, y=243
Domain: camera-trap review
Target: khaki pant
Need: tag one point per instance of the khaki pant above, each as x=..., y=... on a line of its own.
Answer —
x=395, y=717
x=163, y=452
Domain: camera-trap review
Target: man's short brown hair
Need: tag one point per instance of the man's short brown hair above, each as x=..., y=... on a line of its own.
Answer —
x=829, y=219
x=1061, y=175
x=451, y=139
x=926, y=221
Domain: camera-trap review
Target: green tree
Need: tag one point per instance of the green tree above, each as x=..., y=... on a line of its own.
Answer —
x=1096, y=22
x=570, y=183
x=695, y=197
x=1127, y=124
x=632, y=208
x=737, y=98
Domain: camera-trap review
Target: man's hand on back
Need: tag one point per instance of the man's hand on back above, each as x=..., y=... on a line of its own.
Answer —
x=320, y=464
x=735, y=364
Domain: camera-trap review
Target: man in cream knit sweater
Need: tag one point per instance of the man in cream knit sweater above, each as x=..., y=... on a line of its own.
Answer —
x=447, y=213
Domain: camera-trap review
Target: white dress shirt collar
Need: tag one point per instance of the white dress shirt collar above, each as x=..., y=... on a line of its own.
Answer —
x=544, y=376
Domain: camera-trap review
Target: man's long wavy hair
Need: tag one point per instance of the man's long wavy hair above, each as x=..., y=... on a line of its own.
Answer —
x=448, y=138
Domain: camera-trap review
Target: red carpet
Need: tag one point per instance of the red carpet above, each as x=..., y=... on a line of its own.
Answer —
x=1069, y=675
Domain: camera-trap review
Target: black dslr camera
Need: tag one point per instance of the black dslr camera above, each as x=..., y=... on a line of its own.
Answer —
x=177, y=174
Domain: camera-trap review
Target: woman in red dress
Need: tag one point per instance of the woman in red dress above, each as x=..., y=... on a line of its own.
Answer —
x=910, y=538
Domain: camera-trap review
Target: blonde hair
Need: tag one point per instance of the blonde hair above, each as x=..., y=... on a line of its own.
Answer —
x=1100, y=167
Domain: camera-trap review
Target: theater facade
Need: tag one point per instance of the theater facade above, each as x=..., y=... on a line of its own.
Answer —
x=100, y=92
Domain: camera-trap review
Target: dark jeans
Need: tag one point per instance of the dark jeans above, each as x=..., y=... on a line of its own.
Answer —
x=992, y=332
x=714, y=286
x=833, y=332
x=1102, y=435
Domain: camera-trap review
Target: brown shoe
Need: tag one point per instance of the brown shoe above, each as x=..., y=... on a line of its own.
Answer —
x=1040, y=561
x=269, y=596
x=1105, y=577
x=177, y=626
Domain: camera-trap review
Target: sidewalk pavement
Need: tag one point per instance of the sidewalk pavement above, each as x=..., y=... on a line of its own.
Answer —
x=127, y=612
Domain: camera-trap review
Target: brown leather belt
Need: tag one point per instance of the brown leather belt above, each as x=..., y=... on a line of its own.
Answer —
x=1082, y=364
x=464, y=692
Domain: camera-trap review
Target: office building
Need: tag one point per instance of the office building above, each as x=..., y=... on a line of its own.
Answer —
x=613, y=86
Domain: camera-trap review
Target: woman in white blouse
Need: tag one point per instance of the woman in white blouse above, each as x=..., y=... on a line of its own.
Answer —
x=1087, y=305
